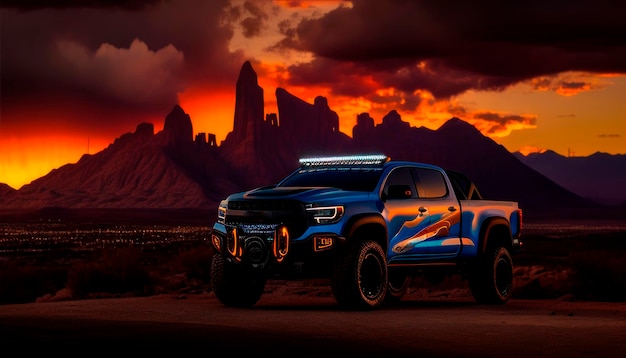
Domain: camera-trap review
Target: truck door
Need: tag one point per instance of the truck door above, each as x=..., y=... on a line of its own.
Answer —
x=401, y=211
x=442, y=237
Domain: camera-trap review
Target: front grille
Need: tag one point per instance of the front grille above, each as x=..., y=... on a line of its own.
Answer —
x=260, y=216
x=258, y=229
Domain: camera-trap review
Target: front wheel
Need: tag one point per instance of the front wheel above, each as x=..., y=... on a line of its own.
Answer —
x=234, y=284
x=359, y=279
x=491, y=278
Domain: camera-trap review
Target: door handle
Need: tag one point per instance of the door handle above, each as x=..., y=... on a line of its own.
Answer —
x=452, y=208
x=422, y=209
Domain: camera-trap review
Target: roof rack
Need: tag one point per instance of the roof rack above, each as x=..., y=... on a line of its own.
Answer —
x=358, y=159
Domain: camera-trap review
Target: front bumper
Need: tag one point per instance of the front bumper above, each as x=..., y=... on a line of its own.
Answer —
x=269, y=245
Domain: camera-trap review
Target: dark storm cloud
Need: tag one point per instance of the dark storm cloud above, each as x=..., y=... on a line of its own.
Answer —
x=253, y=24
x=359, y=79
x=493, y=122
x=345, y=78
x=249, y=16
x=499, y=122
x=137, y=61
x=573, y=85
x=84, y=4
x=467, y=45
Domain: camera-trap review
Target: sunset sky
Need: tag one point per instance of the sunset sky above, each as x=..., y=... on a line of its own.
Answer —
x=532, y=75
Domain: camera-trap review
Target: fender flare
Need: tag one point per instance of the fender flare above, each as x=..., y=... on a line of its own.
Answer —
x=486, y=228
x=359, y=221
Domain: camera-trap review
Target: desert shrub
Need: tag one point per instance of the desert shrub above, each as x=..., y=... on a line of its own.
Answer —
x=23, y=284
x=114, y=271
x=195, y=262
x=600, y=275
x=541, y=282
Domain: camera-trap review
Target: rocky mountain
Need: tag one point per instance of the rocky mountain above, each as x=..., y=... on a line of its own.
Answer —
x=600, y=177
x=138, y=170
x=6, y=190
x=171, y=169
x=266, y=148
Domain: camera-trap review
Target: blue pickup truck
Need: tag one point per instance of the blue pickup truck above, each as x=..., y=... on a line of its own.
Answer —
x=368, y=223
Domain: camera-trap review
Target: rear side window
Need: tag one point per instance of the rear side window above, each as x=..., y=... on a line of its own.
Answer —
x=463, y=187
x=430, y=183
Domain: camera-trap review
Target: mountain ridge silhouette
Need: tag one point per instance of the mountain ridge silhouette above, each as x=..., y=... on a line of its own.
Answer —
x=172, y=170
x=600, y=177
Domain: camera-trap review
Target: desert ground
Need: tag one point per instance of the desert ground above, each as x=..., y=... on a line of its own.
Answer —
x=302, y=319
x=569, y=300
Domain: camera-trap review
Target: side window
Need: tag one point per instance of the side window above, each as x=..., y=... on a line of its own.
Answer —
x=397, y=184
x=463, y=186
x=430, y=183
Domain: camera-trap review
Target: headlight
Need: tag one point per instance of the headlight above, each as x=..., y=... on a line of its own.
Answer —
x=325, y=214
x=221, y=212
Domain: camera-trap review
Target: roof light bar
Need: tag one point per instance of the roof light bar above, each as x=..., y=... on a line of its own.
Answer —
x=365, y=159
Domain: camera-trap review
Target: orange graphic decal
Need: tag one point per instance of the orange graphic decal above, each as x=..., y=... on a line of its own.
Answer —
x=439, y=228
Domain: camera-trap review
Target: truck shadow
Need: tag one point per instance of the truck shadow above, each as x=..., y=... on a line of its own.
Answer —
x=326, y=304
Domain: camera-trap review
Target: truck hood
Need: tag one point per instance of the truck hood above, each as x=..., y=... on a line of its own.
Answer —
x=304, y=194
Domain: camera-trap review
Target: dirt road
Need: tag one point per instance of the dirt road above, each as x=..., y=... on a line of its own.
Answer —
x=309, y=324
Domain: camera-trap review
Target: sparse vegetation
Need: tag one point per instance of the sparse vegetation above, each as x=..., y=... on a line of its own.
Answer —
x=21, y=284
x=109, y=272
x=600, y=275
x=582, y=267
x=114, y=271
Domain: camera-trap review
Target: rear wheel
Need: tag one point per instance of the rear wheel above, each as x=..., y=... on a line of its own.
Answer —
x=359, y=279
x=236, y=285
x=491, y=279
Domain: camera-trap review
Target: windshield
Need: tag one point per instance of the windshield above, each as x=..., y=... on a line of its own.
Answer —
x=351, y=179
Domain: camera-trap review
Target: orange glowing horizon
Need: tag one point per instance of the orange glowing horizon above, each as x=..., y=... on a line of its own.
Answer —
x=26, y=155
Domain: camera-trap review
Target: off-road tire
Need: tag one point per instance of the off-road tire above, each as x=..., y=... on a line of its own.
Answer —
x=236, y=285
x=398, y=283
x=491, y=278
x=359, y=279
